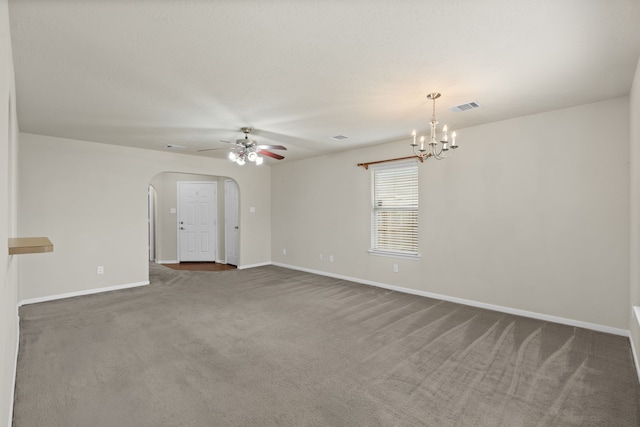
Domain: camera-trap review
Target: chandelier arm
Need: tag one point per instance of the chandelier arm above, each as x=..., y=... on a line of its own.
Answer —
x=423, y=155
x=437, y=153
x=444, y=156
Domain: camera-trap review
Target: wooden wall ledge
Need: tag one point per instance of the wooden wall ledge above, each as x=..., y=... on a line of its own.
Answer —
x=29, y=245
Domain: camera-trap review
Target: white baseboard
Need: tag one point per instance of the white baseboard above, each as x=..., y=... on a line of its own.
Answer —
x=261, y=264
x=80, y=293
x=175, y=261
x=509, y=310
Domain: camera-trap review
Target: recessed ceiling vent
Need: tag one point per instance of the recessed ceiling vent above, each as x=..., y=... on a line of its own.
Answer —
x=174, y=147
x=465, y=107
x=339, y=137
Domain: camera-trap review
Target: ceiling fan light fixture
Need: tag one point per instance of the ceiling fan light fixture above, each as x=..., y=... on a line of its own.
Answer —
x=248, y=150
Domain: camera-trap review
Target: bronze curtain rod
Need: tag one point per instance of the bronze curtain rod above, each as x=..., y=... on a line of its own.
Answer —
x=366, y=165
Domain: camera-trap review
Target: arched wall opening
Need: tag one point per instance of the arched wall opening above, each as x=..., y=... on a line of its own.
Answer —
x=164, y=227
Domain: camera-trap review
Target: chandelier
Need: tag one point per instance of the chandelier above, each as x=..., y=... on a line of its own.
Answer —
x=439, y=150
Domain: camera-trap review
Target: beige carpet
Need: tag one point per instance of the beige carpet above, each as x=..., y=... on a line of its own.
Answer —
x=271, y=346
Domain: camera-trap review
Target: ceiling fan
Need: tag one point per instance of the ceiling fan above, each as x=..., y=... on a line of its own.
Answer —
x=249, y=150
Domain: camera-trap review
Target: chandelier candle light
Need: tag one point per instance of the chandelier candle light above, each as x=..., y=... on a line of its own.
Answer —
x=439, y=150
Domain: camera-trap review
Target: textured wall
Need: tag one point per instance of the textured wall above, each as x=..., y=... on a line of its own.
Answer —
x=529, y=214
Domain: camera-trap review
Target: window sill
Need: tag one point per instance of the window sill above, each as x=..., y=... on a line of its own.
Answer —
x=394, y=255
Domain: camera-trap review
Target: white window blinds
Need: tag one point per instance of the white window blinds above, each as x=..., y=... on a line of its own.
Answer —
x=394, y=213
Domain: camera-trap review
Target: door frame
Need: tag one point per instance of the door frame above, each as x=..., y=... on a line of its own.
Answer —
x=226, y=234
x=213, y=227
x=151, y=218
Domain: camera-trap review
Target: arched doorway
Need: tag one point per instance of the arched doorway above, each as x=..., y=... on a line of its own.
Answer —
x=164, y=210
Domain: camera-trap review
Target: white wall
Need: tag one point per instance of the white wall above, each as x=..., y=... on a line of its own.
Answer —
x=634, y=288
x=91, y=201
x=531, y=213
x=8, y=218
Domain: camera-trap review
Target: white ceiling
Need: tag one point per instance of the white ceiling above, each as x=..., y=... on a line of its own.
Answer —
x=192, y=73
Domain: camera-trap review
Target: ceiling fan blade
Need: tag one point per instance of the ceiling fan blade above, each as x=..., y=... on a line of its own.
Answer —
x=270, y=154
x=219, y=148
x=272, y=147
x=211, y=149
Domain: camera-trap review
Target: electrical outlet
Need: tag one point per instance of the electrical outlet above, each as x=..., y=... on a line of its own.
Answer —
x=284, y=251
x=330, y=258
x=100, y=269
x=320, y=257
x=395, y=268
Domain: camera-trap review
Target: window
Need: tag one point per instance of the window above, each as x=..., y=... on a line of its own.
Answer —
x=394, y=211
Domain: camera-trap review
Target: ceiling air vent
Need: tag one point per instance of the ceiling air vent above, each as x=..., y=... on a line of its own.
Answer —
x=339, y=137
x=465, y=107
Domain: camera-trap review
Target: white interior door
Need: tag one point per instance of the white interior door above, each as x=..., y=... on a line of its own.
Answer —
x=231, y=221
x=197, y=217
